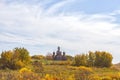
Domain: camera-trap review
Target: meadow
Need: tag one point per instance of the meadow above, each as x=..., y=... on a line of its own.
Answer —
x=61, y=70
x=19, y=65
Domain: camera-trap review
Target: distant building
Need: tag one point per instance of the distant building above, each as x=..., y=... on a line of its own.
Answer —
x=58, y=55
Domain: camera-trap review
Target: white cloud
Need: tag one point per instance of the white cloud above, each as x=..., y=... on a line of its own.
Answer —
x=77, y=33
x=57, y=6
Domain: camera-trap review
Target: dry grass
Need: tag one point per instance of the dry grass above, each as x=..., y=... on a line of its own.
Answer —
x=62, y=71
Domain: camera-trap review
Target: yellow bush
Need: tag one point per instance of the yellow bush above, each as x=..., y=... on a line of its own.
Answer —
x=80, y=68
x=106, y=78
x=48, y=77
x=24, y=70
x=18, y=64
x=115, y=76
x=71, y=77
x=94, y=77
x=83, y=73
x=60, y=62
x=85, y=68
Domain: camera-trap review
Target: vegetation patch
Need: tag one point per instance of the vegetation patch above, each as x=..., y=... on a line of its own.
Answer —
x=17, y=64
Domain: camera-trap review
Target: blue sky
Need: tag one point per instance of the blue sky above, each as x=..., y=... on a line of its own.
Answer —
x=78, y=26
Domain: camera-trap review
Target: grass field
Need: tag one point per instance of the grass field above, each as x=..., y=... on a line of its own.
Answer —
x=61, y=70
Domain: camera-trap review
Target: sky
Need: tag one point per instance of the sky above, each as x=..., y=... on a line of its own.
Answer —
x=77, y=26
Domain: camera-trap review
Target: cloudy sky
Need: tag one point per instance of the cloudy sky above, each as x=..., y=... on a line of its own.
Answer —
x=78, y=26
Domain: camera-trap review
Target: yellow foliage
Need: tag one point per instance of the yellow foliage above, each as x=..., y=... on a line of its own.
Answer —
x=51, y=77
x=7, y=55
x=19, y=64
x=106, y=78
x=71, y=77
x=85, y=68
x=94, y=77
x=24, y=70
x=80, y=68
x=48, y=77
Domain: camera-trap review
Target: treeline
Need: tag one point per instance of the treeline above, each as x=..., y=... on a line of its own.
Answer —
x=91, y=59
x=94, y=59
x=19, y=58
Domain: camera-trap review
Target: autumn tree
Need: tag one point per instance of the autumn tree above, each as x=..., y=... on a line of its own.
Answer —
x=91, y=59
x=80, y=60
x=6, y=59
x=103, y=59
x=15, y=59
x=94, y=59
x=22, y=54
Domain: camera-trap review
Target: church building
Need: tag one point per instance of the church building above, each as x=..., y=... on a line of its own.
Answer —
x=58, y=55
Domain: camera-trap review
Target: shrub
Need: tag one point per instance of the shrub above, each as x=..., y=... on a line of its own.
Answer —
x=106, y=78
x=83, y=73
x=22, y=70
x=22, y=54
x=80, y=60
x=94, y=77
x=38, y=57
x=94, y=59
x=6, y=59
x=23, y=74
x=60, y=62
x=15, y=59
x=37, y=66
x=69, y=57
x=103, y=59
x=18, y=65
